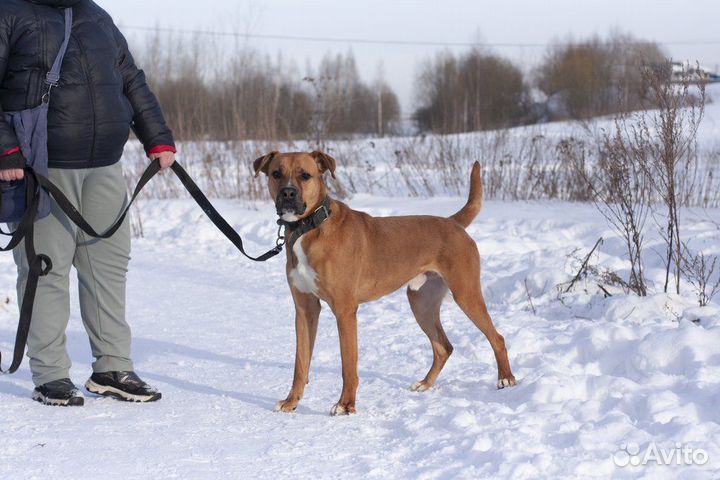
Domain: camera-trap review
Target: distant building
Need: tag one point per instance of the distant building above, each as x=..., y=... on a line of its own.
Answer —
x=693, y=72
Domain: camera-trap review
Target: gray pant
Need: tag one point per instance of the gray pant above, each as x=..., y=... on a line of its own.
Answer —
x=99, y=194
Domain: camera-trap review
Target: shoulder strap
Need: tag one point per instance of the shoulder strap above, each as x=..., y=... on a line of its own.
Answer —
x=53, y=76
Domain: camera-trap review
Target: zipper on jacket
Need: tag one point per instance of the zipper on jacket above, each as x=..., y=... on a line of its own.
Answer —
x=91, y=92
x=37, y=86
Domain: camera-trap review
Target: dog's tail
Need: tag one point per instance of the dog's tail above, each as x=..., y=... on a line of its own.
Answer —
x=475, y=200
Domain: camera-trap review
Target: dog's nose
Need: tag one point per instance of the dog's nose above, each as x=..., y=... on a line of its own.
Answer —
x=288, y=193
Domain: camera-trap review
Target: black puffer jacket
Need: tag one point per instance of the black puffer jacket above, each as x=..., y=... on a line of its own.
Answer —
x=101, y=95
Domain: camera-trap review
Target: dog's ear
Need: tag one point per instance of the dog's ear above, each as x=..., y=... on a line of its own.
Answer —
x=325, y=162
x=261, y=164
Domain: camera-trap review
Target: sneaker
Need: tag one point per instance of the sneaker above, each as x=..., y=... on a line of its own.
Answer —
x=61, y=393
x=122, y=385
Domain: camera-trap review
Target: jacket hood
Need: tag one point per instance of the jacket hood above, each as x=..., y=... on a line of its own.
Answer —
x=57, y=3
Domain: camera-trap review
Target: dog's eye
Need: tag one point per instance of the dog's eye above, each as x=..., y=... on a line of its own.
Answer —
x=277, y=174
x=305, y=176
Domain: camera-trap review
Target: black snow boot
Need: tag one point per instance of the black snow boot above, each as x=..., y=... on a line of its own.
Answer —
x=122, y=385
x=61, y=393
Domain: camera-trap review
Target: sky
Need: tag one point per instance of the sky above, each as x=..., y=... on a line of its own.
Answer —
x=517, y=29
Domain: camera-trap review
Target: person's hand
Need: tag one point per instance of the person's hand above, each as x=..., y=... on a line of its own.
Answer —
x=11, y=174
x=166, y=159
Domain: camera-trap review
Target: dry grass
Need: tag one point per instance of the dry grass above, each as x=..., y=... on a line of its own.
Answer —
x=520, y=164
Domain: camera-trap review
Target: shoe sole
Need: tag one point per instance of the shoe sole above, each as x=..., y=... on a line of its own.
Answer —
x=54, y=402
x=107, y=391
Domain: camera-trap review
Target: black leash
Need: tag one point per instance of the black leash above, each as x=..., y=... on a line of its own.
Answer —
x=40, y=265
x=218, y=220
x=147, y=175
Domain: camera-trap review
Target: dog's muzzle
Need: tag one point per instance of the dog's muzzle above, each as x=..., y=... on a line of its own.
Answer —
x=289, y=203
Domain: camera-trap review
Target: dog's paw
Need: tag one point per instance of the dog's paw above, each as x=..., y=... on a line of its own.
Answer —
x=340, y=409
x=285, y=406
x=420, y=386
x=506, y=382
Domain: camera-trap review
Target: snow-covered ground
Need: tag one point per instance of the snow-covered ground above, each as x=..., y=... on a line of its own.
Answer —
x=215, y=333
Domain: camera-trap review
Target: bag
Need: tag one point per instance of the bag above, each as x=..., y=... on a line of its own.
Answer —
x=31, y=129
x=32, y=133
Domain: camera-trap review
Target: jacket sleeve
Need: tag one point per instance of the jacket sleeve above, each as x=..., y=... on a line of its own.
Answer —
x=10, y=155
x=148, y=120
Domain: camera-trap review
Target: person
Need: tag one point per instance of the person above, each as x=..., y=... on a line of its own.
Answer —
x=101, y=95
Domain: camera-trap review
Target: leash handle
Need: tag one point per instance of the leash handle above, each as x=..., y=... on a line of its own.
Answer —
x=32, y=189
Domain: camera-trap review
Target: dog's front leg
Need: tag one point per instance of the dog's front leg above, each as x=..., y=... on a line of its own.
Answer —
x=347, y=329
x=307, y=312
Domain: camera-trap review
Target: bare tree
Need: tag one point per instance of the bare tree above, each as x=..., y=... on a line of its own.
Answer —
x=323, y=110
x=665, y=143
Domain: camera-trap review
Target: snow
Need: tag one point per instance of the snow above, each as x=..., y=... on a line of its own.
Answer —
x=215, y=333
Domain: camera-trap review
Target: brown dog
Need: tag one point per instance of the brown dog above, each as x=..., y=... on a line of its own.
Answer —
x=346, y=258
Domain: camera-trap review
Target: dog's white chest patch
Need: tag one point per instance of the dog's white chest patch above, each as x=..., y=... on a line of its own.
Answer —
x=303, y=277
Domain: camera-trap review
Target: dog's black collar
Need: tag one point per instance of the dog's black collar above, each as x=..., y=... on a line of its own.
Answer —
x=294, y=230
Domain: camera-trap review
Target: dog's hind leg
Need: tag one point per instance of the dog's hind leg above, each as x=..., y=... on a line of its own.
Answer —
x=307, y=313
x=425, y=304
x=463, y=278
